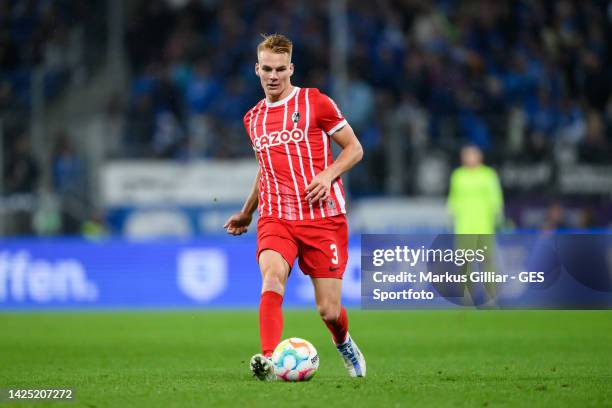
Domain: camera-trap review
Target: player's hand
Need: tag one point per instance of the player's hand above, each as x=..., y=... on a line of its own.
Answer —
x=319, y=187
x=238, y=223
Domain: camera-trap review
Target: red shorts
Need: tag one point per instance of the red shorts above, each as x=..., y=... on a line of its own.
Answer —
x=321, y=245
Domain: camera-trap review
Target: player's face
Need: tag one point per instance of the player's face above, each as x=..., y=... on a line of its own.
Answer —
x=274, y=71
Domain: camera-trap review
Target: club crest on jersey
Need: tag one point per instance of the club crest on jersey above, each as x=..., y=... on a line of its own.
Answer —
x=277, y=138
x=295, y=118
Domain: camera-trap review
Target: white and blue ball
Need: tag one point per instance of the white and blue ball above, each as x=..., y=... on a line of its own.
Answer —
x=295, y=359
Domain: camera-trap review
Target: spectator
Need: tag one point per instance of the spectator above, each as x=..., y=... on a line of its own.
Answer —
x=114, y=123
x=202, y=88
x=68, y=168
x=571, y=124
x=21, y=171
x=140, y=127
x=94, y=228
x=168, y=136
x=594, y=148
x=21, y=176
x=555, y=219
x=359, y=101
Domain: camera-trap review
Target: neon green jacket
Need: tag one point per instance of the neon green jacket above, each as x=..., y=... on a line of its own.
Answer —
x=475, y=200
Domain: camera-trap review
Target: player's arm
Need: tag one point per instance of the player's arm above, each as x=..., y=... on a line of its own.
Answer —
x=351, y=154
x=238, y=223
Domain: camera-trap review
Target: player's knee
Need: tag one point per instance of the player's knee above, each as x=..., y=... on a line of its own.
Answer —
x=329, y=312
x=273, y=283
x=273, y=279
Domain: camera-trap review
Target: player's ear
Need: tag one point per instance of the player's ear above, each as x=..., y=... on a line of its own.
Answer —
x=257, y=68
x=291, y=69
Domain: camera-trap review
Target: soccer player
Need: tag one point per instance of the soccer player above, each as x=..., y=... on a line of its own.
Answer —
x=299, y=195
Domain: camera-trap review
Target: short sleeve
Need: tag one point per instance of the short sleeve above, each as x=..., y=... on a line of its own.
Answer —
x=329, y=117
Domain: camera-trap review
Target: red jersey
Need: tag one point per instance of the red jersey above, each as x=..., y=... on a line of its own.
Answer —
x=291, y=139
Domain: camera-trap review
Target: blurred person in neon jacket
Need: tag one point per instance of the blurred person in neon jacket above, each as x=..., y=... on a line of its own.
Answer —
x=476, y=203
x=475, y=198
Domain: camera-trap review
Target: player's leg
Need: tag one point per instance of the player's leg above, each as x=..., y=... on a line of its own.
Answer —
x=276, y=252
x=323, y=254
x=328, y=298
x=328, y=293
x=274, y=272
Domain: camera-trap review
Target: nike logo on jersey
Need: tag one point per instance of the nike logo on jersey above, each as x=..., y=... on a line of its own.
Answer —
x=277, y=138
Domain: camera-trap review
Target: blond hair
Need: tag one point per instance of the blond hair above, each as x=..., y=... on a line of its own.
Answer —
x=277, y=43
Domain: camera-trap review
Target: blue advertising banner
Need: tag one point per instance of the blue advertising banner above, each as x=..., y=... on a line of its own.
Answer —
x=213, y=272
x=386, y=272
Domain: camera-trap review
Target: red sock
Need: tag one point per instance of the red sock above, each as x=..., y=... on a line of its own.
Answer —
x=339, y=328
x=270, y=321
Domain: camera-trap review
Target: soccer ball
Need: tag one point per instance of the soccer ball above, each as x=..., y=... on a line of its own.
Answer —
x=295, y=359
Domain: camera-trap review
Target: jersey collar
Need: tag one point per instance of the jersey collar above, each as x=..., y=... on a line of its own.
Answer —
x=282, y=101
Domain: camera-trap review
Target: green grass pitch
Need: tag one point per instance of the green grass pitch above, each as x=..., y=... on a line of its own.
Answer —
x=418, y=358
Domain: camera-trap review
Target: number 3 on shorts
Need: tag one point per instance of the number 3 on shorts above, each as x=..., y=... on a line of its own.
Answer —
x=334, y=249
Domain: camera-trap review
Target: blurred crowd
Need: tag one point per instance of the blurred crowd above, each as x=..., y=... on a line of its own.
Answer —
x=39, y=34
x=520, y=79
x=47, y=38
